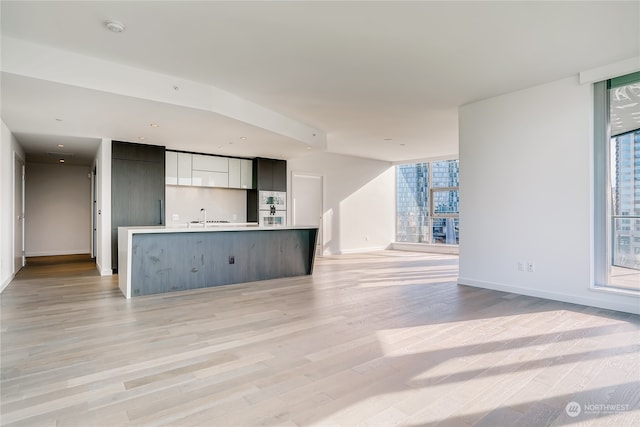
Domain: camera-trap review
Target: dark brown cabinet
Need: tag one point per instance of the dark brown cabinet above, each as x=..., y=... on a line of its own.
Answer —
x=270, y=174
x=137, y=188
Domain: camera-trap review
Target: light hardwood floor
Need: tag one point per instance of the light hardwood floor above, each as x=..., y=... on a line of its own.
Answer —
x=378, y=339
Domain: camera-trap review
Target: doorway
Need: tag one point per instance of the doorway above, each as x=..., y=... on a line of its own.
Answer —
x=18, y=217
x=307, y=197
x=94, y=213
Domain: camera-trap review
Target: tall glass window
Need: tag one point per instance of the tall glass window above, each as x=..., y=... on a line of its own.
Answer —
x=427, y=202
x=618, y=185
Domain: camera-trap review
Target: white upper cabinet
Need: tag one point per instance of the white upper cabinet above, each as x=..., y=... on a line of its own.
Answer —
x=184, y=168
x=241, y=173
x=210, y=163
x=234, y=173
x=246, y=173
x=177, y=168
x=201, y=170
x=210, y=179
x=171, y=167
x=209, y=171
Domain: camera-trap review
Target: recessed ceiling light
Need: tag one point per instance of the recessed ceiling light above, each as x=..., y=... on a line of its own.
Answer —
x=154, y=125
x=402, y=145
x=58, y=120
x=61, y=160
x=60, y=145
x=115, y=26
x=243, y=137
x=308, y=148
x=388, y=139
x=141, y=138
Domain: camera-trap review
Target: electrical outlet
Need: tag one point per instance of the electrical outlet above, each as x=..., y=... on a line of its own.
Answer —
x=175, y=217
x=520, y=266
x=531, y=266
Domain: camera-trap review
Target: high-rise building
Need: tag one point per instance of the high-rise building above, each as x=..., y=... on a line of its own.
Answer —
x=626, y=199
x=412, y=203
x=427, y=202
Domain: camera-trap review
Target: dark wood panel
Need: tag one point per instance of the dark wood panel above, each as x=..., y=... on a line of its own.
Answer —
x=270, y=174
x=141, y=152
x=264, y=174
x=114, y=250
x=252, y=205
x=137, y=188
x=167, y=262
x=279, y=179
x=136, y=197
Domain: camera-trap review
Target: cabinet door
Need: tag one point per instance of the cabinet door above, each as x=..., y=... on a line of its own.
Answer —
x=234, y=173
x=210, y=163
x=264, y=174
x=272, y=174
x=246, y=174
x=279, y=180
x=137, y=199
x=209, y=179
x=171, y=168
x=137, y=188
x=133, y=151
x=184, y=168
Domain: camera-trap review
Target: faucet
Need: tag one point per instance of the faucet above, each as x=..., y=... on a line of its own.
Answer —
x=204, y=217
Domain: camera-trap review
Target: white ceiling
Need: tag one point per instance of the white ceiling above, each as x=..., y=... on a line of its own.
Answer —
x=383, y=80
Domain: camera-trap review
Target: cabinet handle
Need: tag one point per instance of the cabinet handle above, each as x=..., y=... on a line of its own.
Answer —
x=161, y=213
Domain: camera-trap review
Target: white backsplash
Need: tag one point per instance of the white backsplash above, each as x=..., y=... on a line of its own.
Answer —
x=221, y=204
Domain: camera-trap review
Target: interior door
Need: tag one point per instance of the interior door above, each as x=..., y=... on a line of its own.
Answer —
x=94, y=213
x=306, y=197
x=18, y=224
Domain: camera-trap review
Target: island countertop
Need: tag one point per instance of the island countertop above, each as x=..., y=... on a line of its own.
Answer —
x=197, y=227
x=157, y=259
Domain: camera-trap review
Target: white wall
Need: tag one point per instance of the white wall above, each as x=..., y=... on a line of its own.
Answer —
x=525, y=192
x=359, y=200
x=57, y=209
x=221, y=204
x=8, y=148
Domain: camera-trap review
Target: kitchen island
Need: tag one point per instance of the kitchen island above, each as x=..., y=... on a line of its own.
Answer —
x=159, y=259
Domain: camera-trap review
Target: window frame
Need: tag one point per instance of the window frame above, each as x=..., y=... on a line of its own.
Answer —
x=430, y=205
x=603, y=213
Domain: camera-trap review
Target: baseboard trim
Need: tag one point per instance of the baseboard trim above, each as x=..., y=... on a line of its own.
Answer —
x=427, y=248
x=554, y=296
x=56, y=253
x=6, y=282
x=103, y=271
x=359, y=250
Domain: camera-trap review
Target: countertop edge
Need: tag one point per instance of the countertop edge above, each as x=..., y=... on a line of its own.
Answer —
x=217, y=228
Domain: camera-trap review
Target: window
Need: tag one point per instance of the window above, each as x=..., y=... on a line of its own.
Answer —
x=617, y=187
x=427, y=202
